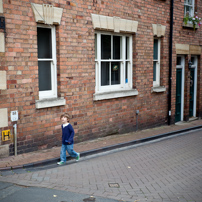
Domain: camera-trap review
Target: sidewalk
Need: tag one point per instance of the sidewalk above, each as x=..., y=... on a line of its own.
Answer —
x=95, y=146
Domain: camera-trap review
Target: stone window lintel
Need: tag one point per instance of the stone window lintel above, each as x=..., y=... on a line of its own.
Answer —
x=116, y=24
x=47, y=14
x=158, y=30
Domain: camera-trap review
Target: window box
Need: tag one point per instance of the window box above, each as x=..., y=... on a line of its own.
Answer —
x=190, y=25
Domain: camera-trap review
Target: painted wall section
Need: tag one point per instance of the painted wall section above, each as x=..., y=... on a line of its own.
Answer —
x=3, y=117
x=2, y=80
x=2, y=42
x=1, y=6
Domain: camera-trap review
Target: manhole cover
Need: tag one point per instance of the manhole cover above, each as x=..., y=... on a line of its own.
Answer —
x=114, y=185
x=90, y=199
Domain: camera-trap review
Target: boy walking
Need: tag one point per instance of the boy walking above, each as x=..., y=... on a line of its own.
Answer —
x=67, y=140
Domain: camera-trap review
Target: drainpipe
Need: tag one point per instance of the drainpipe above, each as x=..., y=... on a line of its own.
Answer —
x=170, y=60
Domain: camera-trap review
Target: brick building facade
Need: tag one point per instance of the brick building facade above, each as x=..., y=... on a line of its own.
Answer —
x=101, y=61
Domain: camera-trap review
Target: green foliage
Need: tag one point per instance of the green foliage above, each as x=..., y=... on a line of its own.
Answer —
x=195, y=20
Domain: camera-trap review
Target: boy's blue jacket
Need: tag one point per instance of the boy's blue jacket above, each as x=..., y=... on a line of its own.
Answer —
x=67, y=134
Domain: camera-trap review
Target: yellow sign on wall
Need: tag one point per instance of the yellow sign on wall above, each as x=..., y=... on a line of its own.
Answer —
x=6, y=135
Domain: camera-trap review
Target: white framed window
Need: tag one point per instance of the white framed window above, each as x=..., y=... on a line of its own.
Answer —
x=47, y=72
x=113, y=61
x=156, y=62
x=189, y=7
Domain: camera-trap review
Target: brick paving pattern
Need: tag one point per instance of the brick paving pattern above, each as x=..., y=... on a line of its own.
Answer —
x=169, y=170
x=54, y=152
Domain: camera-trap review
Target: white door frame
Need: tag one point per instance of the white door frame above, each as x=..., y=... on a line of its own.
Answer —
x=182, y=66
x=195, y=67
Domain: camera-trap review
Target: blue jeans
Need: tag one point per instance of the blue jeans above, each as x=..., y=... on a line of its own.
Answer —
x=69, y=149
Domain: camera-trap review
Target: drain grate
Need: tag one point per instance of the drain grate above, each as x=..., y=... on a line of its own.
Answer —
x=114, y=185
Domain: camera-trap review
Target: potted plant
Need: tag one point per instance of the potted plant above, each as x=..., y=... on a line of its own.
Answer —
x=195, y=20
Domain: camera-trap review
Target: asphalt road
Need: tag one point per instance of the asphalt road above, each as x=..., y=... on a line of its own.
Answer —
x=16, y=193
x=165, y=170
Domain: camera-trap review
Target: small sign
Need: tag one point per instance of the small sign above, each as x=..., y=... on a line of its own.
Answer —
x=14, y=115
x=6, y=135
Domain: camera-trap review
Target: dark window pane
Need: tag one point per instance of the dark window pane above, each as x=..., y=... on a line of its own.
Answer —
x=178, y=60
x=44, y=42
x=95, y=46
x=188, y=8
x=154, y=71
x=105, y=47
x=104, y=73
x=44, y=75
x=116, y=47
x=127, y=48
x=155, y=49
x=190, y=2
x=192, y=60
x=115, y=73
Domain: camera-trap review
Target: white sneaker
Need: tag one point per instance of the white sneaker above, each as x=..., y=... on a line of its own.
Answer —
x=61, y=163
x=78, y=157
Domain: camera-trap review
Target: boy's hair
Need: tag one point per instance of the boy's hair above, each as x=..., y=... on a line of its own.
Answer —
x=65, y=115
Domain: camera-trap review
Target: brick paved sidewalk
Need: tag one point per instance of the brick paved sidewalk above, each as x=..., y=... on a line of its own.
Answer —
x=44, y=155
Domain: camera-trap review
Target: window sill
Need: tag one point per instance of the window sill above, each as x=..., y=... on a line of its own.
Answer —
x=52, y=102
x=190, y=25
x=158, y=89
x=114, y=94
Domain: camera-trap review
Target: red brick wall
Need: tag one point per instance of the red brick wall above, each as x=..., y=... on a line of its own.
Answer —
x=40, y=128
